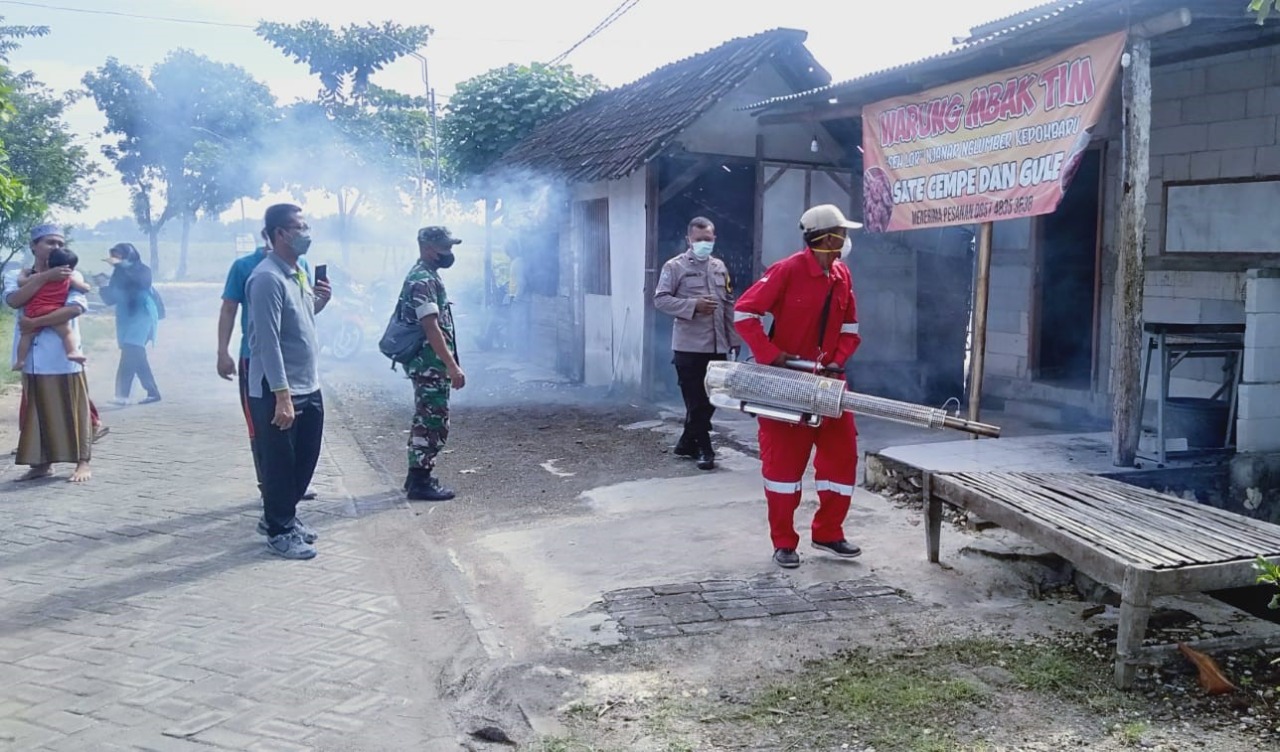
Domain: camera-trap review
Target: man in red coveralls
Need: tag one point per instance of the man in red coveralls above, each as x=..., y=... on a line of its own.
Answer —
x=810, y=295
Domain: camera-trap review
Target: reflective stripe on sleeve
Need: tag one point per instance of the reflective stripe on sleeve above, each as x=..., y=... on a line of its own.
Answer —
x=743, y=316
x=849, y=328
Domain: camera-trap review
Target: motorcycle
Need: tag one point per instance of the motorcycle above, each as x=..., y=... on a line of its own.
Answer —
x=341, y=326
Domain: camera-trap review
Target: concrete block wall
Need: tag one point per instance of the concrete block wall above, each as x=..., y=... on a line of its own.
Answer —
x=1211, y=119
x=884, y=282
x=1009, y=305
x=1258, y=425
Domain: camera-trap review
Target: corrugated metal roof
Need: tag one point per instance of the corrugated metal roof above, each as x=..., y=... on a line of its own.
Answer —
x=617, y=131
x=1019, y=23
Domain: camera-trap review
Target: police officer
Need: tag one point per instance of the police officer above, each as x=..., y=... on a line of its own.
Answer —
x=810, y=295
x=435, y=371
x=695, y=288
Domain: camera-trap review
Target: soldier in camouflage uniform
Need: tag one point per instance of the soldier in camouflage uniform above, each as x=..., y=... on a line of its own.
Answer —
x=435, y=370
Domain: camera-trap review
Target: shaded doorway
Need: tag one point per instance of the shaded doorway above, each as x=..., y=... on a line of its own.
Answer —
x=722, y=190
x=1066, y=302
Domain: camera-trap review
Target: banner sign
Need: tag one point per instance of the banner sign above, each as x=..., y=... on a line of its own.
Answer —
x=995, y=147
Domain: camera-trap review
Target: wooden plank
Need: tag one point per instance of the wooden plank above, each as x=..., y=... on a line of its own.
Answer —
x=839, y=180
x=757, y=218
x=1120, y=545
x=683, y=180
x=1155, y=655
x=652, y=266
x=1126, y=339
x=1198, y=579
x=1098, y=563
x=1185, y=542
x=1186, y=535
x=1117, y=539
x=774, y=177
x=1200, y=517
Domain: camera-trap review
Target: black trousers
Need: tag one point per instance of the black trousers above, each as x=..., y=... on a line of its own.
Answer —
x=287, y=459
x=691, y=370
x=133, y=362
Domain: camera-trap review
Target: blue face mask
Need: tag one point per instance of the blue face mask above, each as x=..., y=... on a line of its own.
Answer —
x=702, y=248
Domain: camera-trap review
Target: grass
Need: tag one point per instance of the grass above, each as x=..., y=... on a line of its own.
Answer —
x=7, y=377
x=918, y=701
x=1131, y=734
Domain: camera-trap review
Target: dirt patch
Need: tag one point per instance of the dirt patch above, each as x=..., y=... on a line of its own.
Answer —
x=977, y=692
x=517, y=450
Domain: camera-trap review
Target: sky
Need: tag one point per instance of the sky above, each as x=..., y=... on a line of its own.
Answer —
x=848, y=38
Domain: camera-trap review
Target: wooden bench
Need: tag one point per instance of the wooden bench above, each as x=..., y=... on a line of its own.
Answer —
x=1141, y=543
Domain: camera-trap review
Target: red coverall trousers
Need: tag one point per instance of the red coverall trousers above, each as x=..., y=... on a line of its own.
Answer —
x=784, y=453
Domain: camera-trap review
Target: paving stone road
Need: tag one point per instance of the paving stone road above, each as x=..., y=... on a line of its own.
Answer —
x=142, y=611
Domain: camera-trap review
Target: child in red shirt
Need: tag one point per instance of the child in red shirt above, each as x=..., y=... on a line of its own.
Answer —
x=49, y=298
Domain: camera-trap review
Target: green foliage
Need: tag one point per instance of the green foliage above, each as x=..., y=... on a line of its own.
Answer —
x=344, y=59
x=1263, y=9
x=41, y=166
x=191, y=131
x=494, y=111
x=1269, y=574
x=358, y=141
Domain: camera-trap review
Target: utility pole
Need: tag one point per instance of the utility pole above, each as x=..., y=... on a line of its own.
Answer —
x=431, y=109
x=435, y=133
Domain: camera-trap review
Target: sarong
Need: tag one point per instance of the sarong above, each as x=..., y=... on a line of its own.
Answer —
x=56, y=425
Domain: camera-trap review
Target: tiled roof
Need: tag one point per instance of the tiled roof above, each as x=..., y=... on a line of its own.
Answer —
x=617, y=131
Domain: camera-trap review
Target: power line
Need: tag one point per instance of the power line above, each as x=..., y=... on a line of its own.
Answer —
x=617, y=13
x=122, y=14
x=206, y=22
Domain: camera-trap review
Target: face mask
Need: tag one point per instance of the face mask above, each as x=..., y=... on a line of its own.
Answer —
x=444, y=260
x=300, y=243
x=844, y=249
x=702, y=248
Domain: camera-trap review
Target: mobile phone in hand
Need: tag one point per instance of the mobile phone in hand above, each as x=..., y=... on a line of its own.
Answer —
x=322, y=272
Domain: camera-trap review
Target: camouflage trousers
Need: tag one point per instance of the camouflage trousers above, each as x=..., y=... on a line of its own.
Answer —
x=430, y=428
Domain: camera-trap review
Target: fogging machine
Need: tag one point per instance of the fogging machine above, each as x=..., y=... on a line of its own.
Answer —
x=798, y=395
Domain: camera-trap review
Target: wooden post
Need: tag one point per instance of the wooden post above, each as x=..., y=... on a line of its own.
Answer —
x=757, y=225
x=1126, y=339
x=652, y=265
x=981, y=292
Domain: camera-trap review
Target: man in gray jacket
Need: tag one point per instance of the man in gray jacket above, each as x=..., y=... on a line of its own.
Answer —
x=695, y=288
x=285, y=403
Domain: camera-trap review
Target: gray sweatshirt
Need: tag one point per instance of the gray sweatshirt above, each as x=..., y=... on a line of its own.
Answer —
x=282, y=329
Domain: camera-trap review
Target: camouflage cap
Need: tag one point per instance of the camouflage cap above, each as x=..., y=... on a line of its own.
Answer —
x=437, y=236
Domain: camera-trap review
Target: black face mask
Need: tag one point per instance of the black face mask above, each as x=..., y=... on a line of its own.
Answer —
x=444, y=260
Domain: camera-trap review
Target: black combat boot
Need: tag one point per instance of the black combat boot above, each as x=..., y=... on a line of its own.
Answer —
x=685, y=449
x=421, y=486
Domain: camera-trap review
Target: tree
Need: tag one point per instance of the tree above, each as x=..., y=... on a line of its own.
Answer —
x=494, y=111
x=190, y=138
x=362, y=131
x=42, y=167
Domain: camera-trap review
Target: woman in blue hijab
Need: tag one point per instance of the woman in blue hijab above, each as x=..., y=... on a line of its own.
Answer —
x=137, y=320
